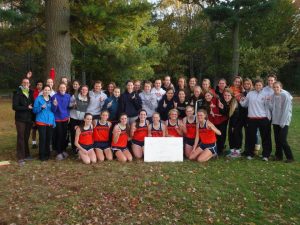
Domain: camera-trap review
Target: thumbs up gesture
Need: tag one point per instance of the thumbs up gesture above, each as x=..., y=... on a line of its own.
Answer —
x=55, y=102
x=165, y=104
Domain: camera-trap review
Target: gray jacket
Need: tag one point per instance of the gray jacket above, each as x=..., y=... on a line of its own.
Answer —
x=95, y=105
x=149, y=102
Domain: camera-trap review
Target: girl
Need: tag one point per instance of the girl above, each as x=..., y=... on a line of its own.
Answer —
x=75, y=88
x=206, y=86
x=111, y=104
x=45, y=122
x=50, y=83
x=205, y=143
x=212, y=107
x=78, y=104
x=181, y=104
x=192, y=84
x=189, y=130
x=182, y=85
x=237, y=87
x=167, y=83
x=149, y=102
x=101, y=137
x=197, y=99
x=84, y=140
x=110, y=89
x=156, y=128
x=60, y=106
x=139, y=130
x=120, y=140
x=281, y=107
x=173, y=124
x=166, y=104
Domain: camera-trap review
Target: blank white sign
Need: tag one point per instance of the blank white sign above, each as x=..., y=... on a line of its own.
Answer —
x=163, y=149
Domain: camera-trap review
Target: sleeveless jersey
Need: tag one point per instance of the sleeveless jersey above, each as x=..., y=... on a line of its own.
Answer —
x=122, y=141
x=101, y=132
x=206, y=136
x=191, y=129
x=86, y=136
x=156, y=132
x=172, y=130
x=140, y=133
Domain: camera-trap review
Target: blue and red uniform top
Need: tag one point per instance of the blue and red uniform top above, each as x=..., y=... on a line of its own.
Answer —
x=140, y=133
x=172, y=130
x=101, y=132
x=206, y=136
x=157, y=132
x=191, y=129
x=86, y=136
x=122, y=141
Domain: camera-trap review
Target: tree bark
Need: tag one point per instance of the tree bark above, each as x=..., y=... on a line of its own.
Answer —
x=58, y=45
x=236, y=49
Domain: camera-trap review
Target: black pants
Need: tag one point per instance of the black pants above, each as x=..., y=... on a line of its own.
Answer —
x=73, y=123
x=45, y=137
x=235, y=136
x=60, y=133
x=280, y=135
x=264, y=127
x=23, y=134
x=221, y=139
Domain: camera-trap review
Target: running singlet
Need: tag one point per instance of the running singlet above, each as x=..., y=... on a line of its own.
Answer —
x=191, y=129
x=158, y=132
x=86, y=136
x=206, y=136
x=172, y=130
x=101, y=132
x=140, y=133
x=122, y=141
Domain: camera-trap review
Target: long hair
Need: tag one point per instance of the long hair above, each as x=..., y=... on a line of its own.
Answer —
x=137, y=121
x=233, y=104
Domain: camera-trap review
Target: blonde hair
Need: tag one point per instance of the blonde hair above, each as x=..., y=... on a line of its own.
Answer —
x=173, y=110
x=233, y=104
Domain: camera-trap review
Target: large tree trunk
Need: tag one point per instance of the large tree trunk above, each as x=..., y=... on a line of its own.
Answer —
x=236, y=49
x=59, y=54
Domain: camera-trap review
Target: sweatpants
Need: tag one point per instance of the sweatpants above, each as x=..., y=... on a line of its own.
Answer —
x=23, y=134
x=45, y=138
x=280, y=135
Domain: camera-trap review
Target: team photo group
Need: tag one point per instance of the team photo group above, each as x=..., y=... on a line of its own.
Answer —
x=101, y=123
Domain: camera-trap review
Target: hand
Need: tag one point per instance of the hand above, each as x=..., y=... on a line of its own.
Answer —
x=165, y=104
x=109, y=104
x=101, y=99
x=175, y=104
x=221, y=106
x=133, y=129
x=75, y=105
x=30, y=106
x=242, y=98
x=118, y=130
x=44, y=106
x=55, y=102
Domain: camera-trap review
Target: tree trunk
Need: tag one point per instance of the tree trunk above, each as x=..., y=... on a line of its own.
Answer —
x=58, y=46
x=236, y=49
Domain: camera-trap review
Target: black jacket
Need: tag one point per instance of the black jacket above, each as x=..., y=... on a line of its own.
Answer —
x=164, y=111
x=130, y=103
x=235, y=119
x=20, y=105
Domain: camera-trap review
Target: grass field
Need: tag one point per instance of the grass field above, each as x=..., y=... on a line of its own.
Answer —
x=218, y=192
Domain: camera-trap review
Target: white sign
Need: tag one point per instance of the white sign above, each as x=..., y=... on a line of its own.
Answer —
x=163, y=149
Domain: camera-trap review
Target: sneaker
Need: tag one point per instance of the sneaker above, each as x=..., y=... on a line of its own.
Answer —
x=249, y=157
x=236, y=154
x=60, y=157
x=229, y=152
x=29, y=158
x=265, y=159
x=65, y=154
x=21, y=162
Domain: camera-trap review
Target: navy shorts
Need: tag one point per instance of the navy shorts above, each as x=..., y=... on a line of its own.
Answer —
x=189, y=141
x=211, y=147
x=139, y=143
x=87, y=147
x=102, y=145
x=115, y=148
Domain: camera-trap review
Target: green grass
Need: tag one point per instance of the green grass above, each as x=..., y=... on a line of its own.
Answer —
x=217, y=192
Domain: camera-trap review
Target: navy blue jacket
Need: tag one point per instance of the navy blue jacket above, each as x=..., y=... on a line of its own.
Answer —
x=130, y=103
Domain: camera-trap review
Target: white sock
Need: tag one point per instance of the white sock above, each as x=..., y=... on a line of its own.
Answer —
x=34, y=142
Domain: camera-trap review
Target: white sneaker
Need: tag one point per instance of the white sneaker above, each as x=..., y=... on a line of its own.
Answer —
x=236, y=154
x=65, y=154
x=60, y=157
x=230, y=153
x=249, y=157
x=265, y=159
x=257, y=147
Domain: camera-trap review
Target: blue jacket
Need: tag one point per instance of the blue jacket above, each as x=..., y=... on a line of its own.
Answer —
x=130, y=103
x=43, y=115
x=112, y=108
x=61, y=111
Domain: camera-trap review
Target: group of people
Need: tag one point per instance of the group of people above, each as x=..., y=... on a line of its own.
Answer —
x=105, y=124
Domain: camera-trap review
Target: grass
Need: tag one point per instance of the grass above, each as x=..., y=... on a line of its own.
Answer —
x=218, y=192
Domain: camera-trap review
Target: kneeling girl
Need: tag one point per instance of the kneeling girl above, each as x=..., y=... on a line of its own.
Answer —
x=156, y=128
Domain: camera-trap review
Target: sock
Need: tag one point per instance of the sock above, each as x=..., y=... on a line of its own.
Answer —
x=34, y=142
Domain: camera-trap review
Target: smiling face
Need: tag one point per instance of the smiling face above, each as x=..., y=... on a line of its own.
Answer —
x=88, y=120
x=237, y=82
x=129, y=87
x=110, y=88
x=25, y=83
x=181, y=83
x=97, y=87
x=143, y=116
x=189, y=111
x=104, y=116
x=201, y=116
x=197, y=91
x=192, y=82
x=50, y=83
x=227, y=96
x=173, y=115
x=147, y=88
x=247, y=85
x=181, y=96
x=167, y=81
x=205, y=84
x=170, y=94
x=123, y=120
x=208, y=97
x=258, y=86
x=157, y=84
x=62, y=88
x=222, y=84
x=84, y=91
x=137, y=85
x=271, y=81
x=46, y=91
x=277, y=88
x=117, y=92
x=75, y=85
x=155, y=118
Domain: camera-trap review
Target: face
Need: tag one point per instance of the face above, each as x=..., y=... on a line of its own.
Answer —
x=137, y=86
x=62, y=88
x=227, y=96
x=157, y=84
x=167, y=81
x=104, y=116
x=170, y=94
x=189, y=111
x=197, y=92
x=181, y=82
x=110, y=88
x=192, y=82
x=258, y=86
x=173, y=115
x=129, y=87
x=208, y=97
x=117, y=92
x=222, y=84
x=88, y=120
x=25, y=83
x=156, y=118
x=75, y=85
x=50, y=83
x=64, y=80
x=46, y=91
x=277, y=88
x=123, y=119
x=97, y=87
x=143, y=115
x=237, y=82
x=205, y=85
x=147, y=87
x=39, y=86
x=271, y=81
x=181, y=95
x=201, y=116
x=84, y=91
x=247, y=85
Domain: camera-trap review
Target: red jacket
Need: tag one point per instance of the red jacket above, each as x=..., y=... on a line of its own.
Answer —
x=213, y=111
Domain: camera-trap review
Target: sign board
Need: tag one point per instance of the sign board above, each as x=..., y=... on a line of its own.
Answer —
x=163, y=149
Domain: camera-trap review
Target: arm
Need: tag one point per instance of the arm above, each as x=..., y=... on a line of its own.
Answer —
x=132, y=129
x=37, y=107
x=149, y=131
x=166, y=129
x=212, y=127
x=197, y=137
x=77, y=139
x=116, y=134
x=244, y=101
x=287, y=108
x=137, y=102
x=179, y=128
x=184, y=125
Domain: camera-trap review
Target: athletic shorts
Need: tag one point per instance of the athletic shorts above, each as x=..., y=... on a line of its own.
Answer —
x=189, y=141
x=102, y=145
x=122, y=149
x=211, y=147
x=139, y=143
x=87, y=147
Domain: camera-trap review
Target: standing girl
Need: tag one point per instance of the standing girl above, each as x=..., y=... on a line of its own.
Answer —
x=84, y=140
x=189, y=130
x=205, y=143
x=181, y=104
x=149, y=102
x=45, y=122
x=120, y=140
x=156, y=128
x=237, y=87
x=166, y=104
x=101, y=137
x=139, y=130
x=173, y=124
